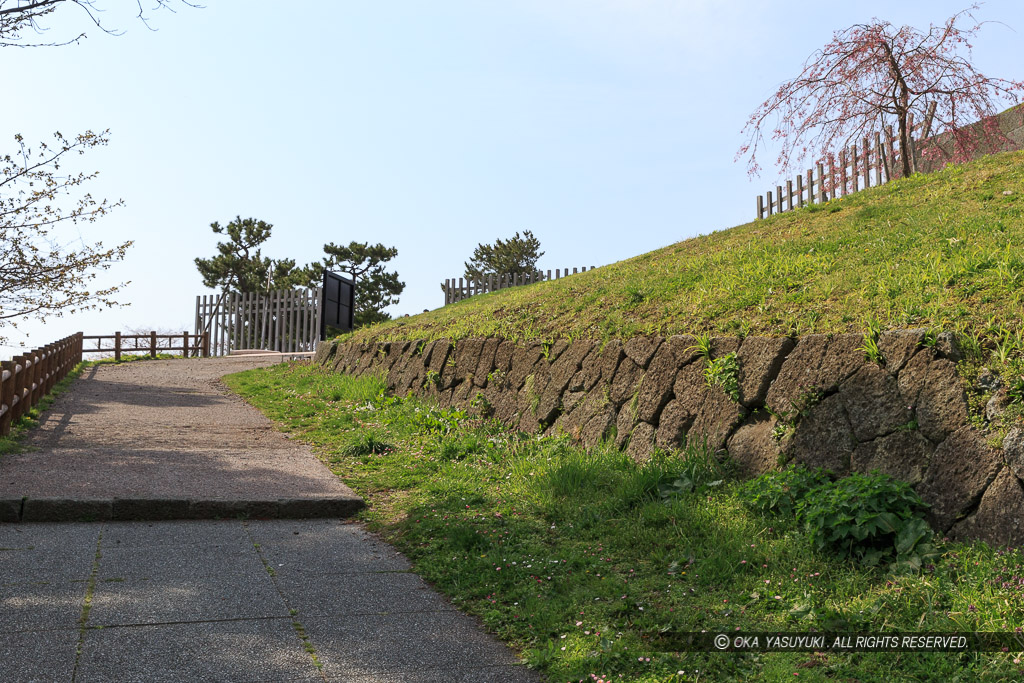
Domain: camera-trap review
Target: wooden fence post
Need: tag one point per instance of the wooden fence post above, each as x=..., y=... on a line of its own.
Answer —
x=19, y=387
x=117, y=346
x=866, y=146
x=879, y=158
x=7, y=395
x=799, y=191
x=152, y=344
x=821, y=185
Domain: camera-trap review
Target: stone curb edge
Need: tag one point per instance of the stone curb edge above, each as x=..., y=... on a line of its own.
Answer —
x=157, y=509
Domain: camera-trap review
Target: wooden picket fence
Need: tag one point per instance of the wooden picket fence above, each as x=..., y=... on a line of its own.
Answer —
x=849, y=172
x=151, y=343
x=457, y=290
x=30, y=376
x=287, y=321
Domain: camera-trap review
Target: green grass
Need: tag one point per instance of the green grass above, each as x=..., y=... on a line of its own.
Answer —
x=12, y=443
x=587, y=562
x=943, y=250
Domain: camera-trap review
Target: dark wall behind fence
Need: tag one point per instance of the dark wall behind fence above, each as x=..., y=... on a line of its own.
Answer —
x=816, y=401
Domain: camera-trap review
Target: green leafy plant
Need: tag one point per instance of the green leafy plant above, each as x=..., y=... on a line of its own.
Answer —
x=779, y=492
x=870, y=346
x=1016, y=390
x=702, y=345
x=724, y=372
x=484, y=406
x=497, y=378
x=868, y=516
x=432, y=378
x=433, y=420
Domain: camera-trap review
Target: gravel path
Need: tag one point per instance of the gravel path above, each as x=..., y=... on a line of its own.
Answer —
x=164, y=440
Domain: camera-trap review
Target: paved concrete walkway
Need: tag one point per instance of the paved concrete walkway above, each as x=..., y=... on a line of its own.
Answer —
x=164, y=440
x=182, y=601
x=228, y=601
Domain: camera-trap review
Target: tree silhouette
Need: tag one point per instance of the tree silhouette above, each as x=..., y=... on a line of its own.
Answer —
x=517, y=254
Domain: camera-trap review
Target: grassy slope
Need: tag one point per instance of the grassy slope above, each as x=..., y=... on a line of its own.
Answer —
x=572, y=555
x=942, y=250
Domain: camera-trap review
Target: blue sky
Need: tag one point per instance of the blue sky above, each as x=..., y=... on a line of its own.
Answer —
x=607, y=127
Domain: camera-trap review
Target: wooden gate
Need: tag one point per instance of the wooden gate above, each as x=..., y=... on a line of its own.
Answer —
x=286, y=320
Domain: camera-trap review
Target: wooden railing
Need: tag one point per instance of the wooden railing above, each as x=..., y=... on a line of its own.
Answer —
x=30, y=376
x=457, y=290
x=851, y=170
x=190, y=344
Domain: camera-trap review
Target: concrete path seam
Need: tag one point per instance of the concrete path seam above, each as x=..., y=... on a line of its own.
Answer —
x=90, y=589
x=298, y=627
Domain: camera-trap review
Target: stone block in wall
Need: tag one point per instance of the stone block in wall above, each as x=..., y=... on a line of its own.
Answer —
x=626, y=382
x=823, y=438
x=467, y=355
x=463, y=394
x=640, y=350
x=912, y=378
x=721, y=346
x=899, y=346
x=355, y=362
x=641, y=442
x=675, y=422
x=611, y=356
x=843, y=357
x=903, y=455
x=798, y=374
x=942, y=403
x=598, y=426
x=997, y=405
x=524, y=360
x=716, y=419
x=570, y=399
x=760, y=359
x=503, y=357
x=342, y=359
x=657, y=384
x=325, y=351
x=567, y=365
x=959, y=471
x=589, y=374
x=485, y=364
x=396, y=354
x=444, y=398
x=438, y=358
x=624, y=424
x=414, y=370
x=947, y=346
x=873, y=403
x=559, y=374
x=690, y=389
x=685, y=348
x=1013, y=450
x=753, y=447
x=557, y=349
x=999, y=519
x=505, y=404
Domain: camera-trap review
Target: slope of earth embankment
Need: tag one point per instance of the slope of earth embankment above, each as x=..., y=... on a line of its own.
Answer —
x=943, y=250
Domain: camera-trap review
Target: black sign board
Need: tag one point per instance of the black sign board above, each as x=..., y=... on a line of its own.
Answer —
x=337, y=305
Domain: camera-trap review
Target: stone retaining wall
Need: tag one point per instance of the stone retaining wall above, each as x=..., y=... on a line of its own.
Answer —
x=816, y=401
